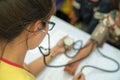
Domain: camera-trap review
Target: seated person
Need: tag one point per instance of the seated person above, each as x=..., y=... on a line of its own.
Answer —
x=112, y=20
x=104, y=7
x=84, y=11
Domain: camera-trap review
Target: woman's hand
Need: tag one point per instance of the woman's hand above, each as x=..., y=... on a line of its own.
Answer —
x=59, y=47
x=79, y=76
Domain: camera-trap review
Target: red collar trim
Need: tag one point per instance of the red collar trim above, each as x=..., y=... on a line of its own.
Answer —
x=11, y=63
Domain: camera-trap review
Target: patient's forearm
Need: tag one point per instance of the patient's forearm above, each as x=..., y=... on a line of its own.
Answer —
x=85, y=51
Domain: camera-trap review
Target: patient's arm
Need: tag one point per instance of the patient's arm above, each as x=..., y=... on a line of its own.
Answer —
x=83, y=53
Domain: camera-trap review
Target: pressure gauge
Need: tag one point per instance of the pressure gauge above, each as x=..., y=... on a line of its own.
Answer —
x=68, y=41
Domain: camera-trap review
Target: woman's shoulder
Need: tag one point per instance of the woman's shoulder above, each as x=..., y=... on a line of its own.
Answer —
x=10, y=72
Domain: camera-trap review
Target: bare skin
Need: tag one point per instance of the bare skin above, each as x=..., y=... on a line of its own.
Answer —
x=81, y=55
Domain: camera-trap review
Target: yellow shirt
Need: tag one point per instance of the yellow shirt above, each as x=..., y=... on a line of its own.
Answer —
x=12, y=71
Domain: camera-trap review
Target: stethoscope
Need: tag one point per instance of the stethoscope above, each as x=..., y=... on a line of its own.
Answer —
x=76, y=46
x=46, y=51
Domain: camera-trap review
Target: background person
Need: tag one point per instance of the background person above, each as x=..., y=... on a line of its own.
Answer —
x=84, y=11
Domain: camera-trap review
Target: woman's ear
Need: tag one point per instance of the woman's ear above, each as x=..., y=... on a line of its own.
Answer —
x=34, y=26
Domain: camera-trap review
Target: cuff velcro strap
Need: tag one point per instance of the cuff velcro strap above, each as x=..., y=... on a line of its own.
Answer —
x=99, y=15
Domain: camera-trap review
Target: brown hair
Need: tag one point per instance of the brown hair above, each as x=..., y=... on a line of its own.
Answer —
x=16, y=14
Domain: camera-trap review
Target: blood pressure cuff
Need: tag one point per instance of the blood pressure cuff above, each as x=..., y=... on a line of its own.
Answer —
x=100, y=34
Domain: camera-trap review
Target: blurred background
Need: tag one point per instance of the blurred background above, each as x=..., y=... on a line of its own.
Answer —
x=86, y=14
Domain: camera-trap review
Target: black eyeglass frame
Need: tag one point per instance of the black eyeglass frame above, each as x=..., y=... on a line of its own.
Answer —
x=50, y=23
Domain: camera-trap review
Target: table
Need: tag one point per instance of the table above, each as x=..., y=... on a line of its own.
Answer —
x=63, y=28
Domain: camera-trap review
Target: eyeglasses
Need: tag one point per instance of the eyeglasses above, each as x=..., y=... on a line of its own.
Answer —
x=50, y=24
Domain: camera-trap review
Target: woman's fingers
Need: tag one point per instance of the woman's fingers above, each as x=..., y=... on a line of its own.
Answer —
x=79, y=76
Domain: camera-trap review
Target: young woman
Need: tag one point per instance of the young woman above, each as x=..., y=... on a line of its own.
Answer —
x=23, y=26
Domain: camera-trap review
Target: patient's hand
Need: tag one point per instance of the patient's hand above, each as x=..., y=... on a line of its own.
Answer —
x=72, y=67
